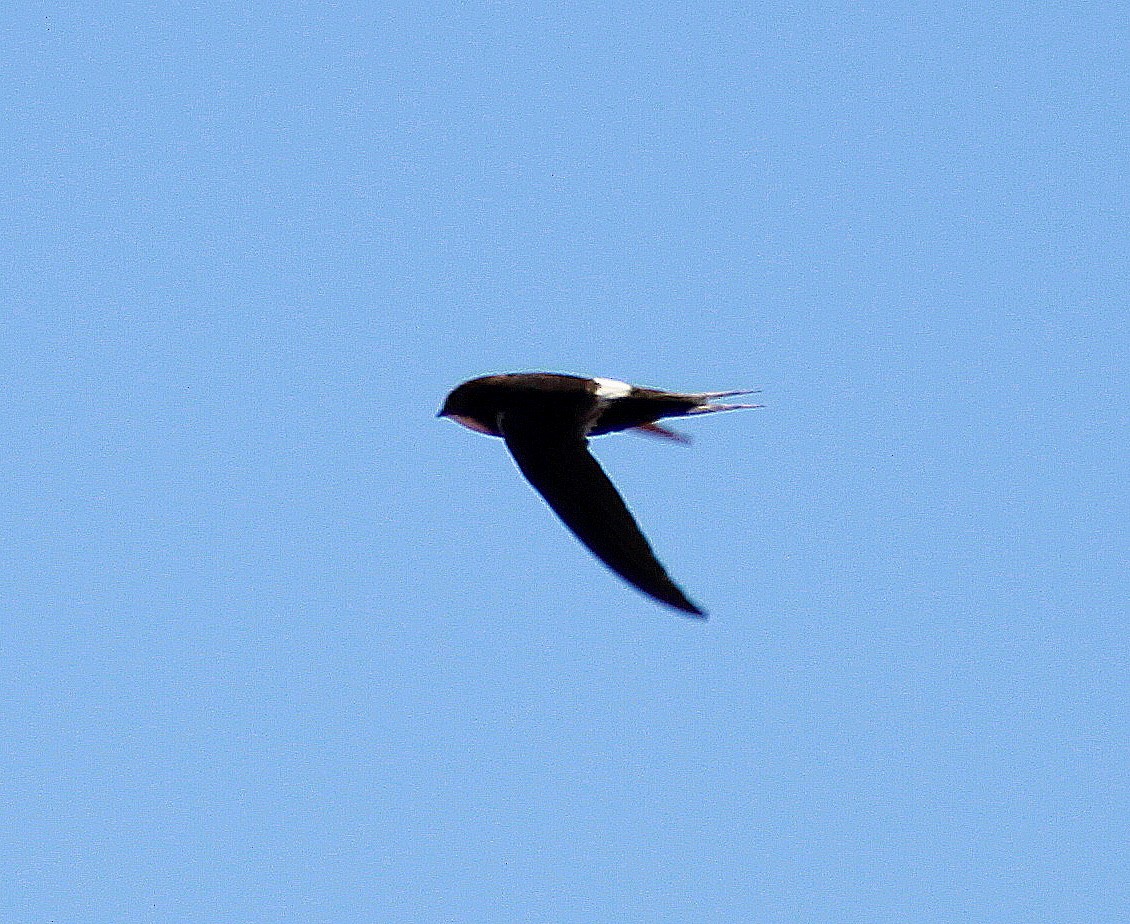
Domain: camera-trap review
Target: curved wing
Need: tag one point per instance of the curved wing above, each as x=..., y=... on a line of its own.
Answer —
x=553, y=455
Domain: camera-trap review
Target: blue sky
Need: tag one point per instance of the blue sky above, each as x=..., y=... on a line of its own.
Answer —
x=278, y=645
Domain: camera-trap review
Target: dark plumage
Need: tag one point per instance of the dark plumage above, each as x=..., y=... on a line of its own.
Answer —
x=546, y=420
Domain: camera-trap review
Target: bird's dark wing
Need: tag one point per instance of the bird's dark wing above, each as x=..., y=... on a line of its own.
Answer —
x=552, y=453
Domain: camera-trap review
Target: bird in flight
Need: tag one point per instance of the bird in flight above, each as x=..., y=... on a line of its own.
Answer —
x=546, y=420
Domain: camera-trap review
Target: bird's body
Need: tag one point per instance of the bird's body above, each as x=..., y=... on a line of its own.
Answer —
x=546, y=419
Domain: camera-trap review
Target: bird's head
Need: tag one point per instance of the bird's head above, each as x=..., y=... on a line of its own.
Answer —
x=474, y=405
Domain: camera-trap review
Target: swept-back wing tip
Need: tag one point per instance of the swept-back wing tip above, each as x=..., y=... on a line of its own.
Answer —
x=656, y=429
x=691, y=610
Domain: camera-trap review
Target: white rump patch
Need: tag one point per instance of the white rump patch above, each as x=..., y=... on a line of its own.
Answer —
x=609, y=389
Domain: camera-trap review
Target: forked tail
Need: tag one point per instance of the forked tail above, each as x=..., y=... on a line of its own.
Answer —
x=707, y=408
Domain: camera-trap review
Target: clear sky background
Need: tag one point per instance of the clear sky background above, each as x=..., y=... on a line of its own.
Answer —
x=278, y=645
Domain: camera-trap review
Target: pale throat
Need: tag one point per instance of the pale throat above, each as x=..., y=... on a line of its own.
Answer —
x=471, y=424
